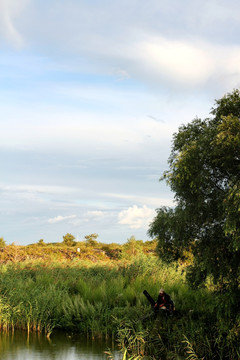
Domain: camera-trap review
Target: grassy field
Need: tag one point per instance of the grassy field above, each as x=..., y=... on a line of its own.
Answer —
x=103, y=298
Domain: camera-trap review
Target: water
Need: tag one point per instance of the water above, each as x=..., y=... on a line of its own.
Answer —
x=20, y=346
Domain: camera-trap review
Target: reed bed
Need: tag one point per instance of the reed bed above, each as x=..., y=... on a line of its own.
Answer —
x=106, y=300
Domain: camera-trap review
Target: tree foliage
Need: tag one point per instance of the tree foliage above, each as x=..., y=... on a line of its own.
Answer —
x=2, y=242
x=41, y=242
x=204, y=169
x=91, y=240
x=69, y=240
x=132, y=246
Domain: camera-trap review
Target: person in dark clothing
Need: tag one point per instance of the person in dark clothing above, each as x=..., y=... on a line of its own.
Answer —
x=164, y=302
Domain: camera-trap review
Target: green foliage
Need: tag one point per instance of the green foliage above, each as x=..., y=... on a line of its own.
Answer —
x=101, y=300
x=204, y=174
x=2, y=242
x=68, y=240
x=41, y=242
x=132, y=248
x=190, y=351
x=113, y=251
x=91, y=240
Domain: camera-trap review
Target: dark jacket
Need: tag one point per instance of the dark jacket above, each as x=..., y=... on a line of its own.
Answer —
x=165, y=300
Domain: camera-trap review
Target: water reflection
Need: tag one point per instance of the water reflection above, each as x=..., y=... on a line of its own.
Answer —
x=19, y=346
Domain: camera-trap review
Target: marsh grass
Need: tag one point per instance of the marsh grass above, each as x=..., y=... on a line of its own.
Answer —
x=105, y=299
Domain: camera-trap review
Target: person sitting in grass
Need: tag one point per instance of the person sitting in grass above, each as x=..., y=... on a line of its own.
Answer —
x=164, y=302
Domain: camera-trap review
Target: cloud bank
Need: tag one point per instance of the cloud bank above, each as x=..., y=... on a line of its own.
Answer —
x=136, y=46
x=136, y=217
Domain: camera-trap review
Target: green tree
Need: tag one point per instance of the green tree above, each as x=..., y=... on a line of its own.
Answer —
x=91, y=240
x=41, y=242
x=132, y=246
x=204, y=168
x=68, y=240
x=2, y=242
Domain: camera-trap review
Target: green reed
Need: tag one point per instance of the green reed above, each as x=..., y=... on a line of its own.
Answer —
x=39, y=298
x=106, y=299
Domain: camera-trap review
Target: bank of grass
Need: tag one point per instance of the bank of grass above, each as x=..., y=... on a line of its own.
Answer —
x=79, y=295
x=105, y=299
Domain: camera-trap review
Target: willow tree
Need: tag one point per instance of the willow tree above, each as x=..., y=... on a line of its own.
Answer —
x=204, y=174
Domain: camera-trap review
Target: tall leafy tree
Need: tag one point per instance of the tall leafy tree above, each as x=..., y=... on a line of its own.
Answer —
x=204, y=174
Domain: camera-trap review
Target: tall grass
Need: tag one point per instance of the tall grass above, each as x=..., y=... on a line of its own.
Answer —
x=107, y=300
x=83, y=296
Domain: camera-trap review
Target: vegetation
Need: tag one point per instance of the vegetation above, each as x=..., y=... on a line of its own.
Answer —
x=204, y=174
x=85, y=250
x=68, y=240
x=2, y=242
x=104, y=298
x=91, y=240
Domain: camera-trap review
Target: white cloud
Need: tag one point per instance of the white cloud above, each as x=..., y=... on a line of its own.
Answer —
x=160, y=60
x=133, y=46
x=136, y=217
x=178, y=60
x=60, y=218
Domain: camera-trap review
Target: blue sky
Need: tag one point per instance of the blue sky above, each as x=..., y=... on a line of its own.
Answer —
x=91, y=93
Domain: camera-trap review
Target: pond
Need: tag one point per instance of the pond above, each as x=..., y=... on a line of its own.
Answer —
x=18, y=346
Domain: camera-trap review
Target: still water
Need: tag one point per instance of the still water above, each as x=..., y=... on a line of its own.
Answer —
x=20, y=346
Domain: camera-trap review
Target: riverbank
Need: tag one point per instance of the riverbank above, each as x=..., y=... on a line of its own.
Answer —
x=105, y=300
